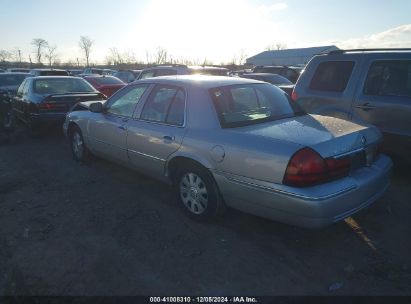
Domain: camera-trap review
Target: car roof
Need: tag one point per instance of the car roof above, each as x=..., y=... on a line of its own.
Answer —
x=56, y=77
x=15, y=73
x=48, y=70
x=203, y=81
x=262, y=74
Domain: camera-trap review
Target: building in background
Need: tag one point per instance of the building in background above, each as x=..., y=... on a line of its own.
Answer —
x=295, y=57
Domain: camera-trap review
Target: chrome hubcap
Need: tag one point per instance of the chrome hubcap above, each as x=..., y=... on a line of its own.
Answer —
x=193, y=193
x=78, y=145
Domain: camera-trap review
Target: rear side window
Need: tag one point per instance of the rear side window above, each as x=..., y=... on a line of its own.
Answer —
x=389, y=78
x=332, y=76
x=166, y=104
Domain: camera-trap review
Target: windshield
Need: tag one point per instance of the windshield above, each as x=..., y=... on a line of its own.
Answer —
x=246, y=104
x=62, y=85
x=11, y=80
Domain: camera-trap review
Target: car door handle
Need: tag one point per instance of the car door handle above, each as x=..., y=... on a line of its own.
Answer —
x=365, y=107
x=168, y=138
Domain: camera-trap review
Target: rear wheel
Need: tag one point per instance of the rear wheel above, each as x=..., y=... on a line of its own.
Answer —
x=78, y=147
x=198, y=193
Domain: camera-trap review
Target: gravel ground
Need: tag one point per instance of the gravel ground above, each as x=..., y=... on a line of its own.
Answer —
x=101, y=229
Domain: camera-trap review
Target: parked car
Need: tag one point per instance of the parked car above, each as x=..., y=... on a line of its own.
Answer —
x=363, y=86
x=18, y=70
x=2, y=71
x=48, y=72
x=128, y=75
x=181, y=69
x=45, y=100
x=96, y=71
x=291, y=73
x=225, y=141
x=9, y=82
x=275, y=79
x=75, y=72
x=107, y=85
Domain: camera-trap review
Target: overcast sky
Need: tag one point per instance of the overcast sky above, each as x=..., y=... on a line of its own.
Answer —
x=217, y=30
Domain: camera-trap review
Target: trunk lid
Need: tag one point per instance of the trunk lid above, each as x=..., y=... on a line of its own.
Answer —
x=63, y=102
x=329, y=136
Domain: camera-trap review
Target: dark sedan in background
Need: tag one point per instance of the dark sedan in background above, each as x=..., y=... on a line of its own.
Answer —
x=44, y=101
x=9, y=82
x=275, y=79
x=107, y=85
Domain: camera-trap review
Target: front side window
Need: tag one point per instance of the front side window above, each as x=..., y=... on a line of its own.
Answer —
x=389, y=78
x=332, y=76
x=126, y=101
x=242, y=105
x=166, y=104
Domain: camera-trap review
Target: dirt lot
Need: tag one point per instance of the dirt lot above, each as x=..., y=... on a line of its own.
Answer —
x=100, y=229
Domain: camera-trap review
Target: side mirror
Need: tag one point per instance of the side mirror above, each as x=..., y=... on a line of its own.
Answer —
x=96, y=107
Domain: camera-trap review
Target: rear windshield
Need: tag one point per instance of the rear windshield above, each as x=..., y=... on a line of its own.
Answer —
x=106, y=80
x=11, y=80
x=60, y=86
x=53, y=73
x=247, y=104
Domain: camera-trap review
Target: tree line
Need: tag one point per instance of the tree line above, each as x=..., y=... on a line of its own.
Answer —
x=46, y=53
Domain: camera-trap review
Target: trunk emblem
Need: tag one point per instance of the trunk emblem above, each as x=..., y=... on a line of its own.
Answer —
x=363, y=140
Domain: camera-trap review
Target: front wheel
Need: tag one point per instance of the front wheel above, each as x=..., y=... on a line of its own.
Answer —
x=78, y=147
x=198, y=193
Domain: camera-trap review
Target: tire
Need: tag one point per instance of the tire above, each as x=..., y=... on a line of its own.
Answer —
x=197, y=193
x=78, y=147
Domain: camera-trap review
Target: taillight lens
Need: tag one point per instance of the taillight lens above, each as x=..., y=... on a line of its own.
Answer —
x=294, y=96
x=306, y=168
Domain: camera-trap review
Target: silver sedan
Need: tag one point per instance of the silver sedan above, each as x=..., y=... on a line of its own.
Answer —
x=234, y=142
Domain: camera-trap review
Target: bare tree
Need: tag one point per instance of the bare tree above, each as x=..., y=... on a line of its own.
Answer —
x=51, y=54
x=4, y=55
x=85, y=44
x=242, y=57
x=277, y=46
x=161, y=55
x=39, y=44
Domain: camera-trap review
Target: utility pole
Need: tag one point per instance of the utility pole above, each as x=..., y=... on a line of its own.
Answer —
x=20, y=56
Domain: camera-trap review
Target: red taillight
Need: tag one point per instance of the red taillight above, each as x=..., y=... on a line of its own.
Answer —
x=338, y=167
x=47, y=106
x=307, y=168
x=294, y=96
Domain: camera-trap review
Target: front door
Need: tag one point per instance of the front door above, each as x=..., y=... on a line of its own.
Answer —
x=108, y=130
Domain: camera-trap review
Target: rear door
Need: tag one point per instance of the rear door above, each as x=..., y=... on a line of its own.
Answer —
x=384, y=100
x=159, y=130
x=108, y=130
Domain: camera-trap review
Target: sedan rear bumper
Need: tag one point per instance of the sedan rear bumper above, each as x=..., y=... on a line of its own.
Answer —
x=309, y=207
x=47, y=118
